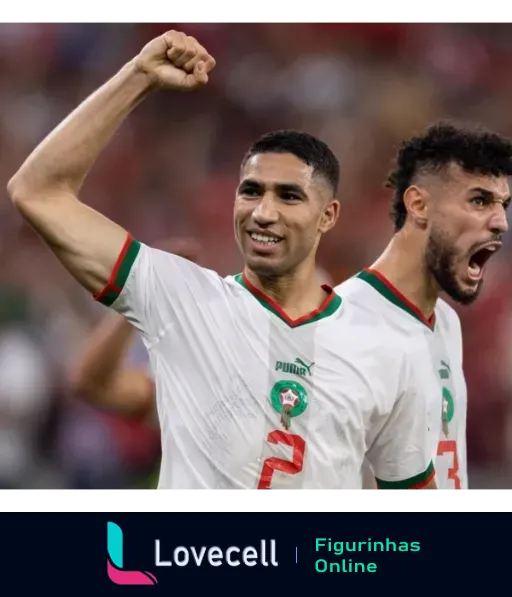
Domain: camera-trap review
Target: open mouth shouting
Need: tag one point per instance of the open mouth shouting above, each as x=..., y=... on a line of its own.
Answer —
x=479, y=257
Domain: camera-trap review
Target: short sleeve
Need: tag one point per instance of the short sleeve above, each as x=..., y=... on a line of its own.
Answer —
x=152, y=288
x=401, y=451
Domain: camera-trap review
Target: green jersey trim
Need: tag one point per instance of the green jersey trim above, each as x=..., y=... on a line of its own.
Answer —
x=120, y=272
x=392, y=294
x=416, y=482
x=329, y=306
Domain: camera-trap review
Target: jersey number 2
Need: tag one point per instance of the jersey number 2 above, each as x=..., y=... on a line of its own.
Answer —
x=450, y=447
x=292, y=467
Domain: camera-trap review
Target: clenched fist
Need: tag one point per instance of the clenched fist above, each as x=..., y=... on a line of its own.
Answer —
x=175, y=61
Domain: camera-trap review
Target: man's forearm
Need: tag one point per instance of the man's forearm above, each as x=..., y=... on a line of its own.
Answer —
x=64, y=158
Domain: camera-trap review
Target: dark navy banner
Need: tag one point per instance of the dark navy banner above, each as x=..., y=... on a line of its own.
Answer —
x=239, y=554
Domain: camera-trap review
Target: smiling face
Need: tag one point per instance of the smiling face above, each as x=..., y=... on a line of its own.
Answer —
x=467, y=216
x=282, y=208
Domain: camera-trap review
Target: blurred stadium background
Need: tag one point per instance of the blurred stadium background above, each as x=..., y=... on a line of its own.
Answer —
x=172, y=170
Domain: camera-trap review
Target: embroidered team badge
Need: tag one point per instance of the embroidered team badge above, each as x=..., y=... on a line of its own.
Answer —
x=290, y=399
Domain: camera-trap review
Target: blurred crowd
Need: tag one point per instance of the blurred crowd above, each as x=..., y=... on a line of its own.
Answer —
x=172, y=170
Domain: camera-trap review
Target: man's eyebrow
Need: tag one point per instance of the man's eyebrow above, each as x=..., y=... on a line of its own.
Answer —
x=282, y=187
x=291, y=187
x=490, y=195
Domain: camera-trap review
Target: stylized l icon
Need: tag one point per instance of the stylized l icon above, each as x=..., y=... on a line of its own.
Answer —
x=115, y=561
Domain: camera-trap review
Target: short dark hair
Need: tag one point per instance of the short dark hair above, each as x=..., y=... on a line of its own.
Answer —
x=311, y=150
x=476, y=150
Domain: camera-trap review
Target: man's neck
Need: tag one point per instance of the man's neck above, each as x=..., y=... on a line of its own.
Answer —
x=402, y=263
x=297, y=293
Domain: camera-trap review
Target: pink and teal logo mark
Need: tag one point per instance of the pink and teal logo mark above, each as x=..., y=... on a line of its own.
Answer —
x=115, y=569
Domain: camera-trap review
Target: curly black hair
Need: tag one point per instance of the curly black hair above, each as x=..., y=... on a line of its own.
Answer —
x=311, y=150
x=475, y=150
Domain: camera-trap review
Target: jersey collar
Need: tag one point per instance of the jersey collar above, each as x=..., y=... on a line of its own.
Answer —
x=329, y=306
x=392, y=294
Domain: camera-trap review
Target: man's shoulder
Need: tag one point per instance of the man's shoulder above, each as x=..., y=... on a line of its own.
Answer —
x=167, y=265
x=368, y=307
x=350, y=286
x=448, y=317
x=364, y=333
x=373, y=354
x=360, y=290
x=446, y=310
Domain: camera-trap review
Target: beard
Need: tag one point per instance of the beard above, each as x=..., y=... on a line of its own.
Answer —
x=441, y=259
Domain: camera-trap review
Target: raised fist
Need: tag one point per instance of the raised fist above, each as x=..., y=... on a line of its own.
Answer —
x=175, y=61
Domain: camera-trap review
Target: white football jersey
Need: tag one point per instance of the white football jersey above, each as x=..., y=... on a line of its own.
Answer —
x=437, y=345
x=248, y=398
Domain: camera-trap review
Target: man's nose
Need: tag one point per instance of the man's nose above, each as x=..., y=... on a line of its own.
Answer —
x=266, y=211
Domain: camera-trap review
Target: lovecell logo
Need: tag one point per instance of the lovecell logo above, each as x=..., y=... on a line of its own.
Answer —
x=116, y=573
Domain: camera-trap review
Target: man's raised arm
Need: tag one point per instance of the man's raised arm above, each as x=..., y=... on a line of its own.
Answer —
x=45, y=189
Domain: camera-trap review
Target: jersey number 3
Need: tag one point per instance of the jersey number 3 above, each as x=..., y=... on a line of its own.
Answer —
x=450, y=447
x=291, y=467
